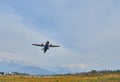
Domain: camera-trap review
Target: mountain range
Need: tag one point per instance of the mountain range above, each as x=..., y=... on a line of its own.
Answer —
x=17, y=67
x=10, y=66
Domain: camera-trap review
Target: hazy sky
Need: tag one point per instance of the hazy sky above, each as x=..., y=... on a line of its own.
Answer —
x=88, y=32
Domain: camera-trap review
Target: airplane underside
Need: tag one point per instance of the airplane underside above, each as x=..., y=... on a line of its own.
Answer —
x=45, y=46
x=45, y=49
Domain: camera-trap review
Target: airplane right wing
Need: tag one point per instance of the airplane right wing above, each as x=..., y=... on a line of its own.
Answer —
x=54, y=45
x=41, y=45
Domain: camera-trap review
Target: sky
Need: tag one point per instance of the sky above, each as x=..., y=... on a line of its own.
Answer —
x=86, y=30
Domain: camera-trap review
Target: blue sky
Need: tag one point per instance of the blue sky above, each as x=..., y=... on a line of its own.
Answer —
x=86, y=30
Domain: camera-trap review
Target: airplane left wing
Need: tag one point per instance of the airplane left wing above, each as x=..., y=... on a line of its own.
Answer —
x=38, y=45
x=54, y=45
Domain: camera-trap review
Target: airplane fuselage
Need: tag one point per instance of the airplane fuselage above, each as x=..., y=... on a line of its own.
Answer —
x=46, y=47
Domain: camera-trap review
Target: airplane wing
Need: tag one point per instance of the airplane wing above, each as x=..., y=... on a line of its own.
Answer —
x=41, y=45
x=53, y=45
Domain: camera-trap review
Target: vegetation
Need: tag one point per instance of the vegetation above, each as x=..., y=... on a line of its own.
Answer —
x=104, y=78
x=92, y=73
x=93, y=76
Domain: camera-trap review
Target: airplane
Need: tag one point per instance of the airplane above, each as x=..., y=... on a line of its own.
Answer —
x=46, y=46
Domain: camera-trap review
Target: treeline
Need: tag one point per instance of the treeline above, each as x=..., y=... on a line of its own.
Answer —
x=97, y=73
x=93, y=73
x=90, y=73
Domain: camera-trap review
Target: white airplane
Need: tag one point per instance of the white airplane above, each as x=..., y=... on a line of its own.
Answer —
x=46, y=46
